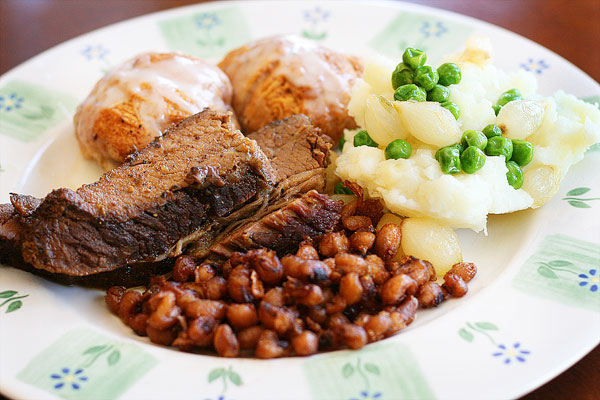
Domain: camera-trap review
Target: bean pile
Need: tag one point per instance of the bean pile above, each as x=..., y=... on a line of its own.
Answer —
x=342, y=290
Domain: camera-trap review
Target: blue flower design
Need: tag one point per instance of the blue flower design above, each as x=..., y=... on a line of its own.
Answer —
x=316, y=15
x=13, y=101
x=365, y=395
x=428, y=29
x=66, y=377
x=95, y=52
x=207, y=21
x=590, y=279
x=511, y=352
x=221, y=397
x=535, y=66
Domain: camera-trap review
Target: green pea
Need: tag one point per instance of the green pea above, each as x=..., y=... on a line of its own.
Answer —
x=439, y=93
x=342, y=141
x=426, y=77
x=402, y=75
x=522, y=152
x=496, y=109
x=456, y=146
x=499, y=146
x=449, y=74
x=492, y=130
x=508, y=96
x=362, y=138
x=449, y=159
x=398, y=149
x=452, y=107
x=474, y=138
x=410, y=92
x=414, y=58
x=341, y=189
x=472, y=159
x=514, y=175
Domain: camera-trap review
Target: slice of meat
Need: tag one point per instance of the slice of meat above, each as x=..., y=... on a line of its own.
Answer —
x=297, y=151
x=282, y=230
x=197, y=172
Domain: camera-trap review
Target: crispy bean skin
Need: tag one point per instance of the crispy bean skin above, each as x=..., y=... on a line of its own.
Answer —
x=396, y=288
x=454, y=284
x=225, y=342
x=333, y=243
x=465, y=270
x=388, y=240
x=362, y=241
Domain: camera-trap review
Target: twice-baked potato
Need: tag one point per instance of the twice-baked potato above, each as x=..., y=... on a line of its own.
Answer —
x=136, y=101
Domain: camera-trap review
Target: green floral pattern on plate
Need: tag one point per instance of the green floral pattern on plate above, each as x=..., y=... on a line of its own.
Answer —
x=381, y=371
x=574, y=197
x=561, y=270
x=83, y=364
x=206, y=34
x=28, y=110
x=430, y=34
x=13, y=300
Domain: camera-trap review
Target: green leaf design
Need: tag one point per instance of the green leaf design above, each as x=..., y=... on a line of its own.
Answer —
x=466, y=335
x=347, y=370
x=7, y=293
x=547, y=272
x=578, y=191
x=114, y=357
x=372, y=368
x=487, y=326
x=560, y=263
x=579, y=204
x=215, y=374
x=14, y=306
x=94, y=349
x=235, y=378
x=47, y=111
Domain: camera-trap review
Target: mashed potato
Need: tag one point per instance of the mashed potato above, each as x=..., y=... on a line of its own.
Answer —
x=560, y=127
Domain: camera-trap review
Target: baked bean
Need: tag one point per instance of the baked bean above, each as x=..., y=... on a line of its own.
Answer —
x=347, y=263
x=267, y=265
x=362, y=241
x=247, y=338
x=305, y=270
x=376, y=269
x=376, y=326
x=225, y=342
x=275, y=296
x=269, y=346
x=215, y=309
x=419, y=270
x=356, y=222
x=242, y=315
x=350, y=288
x=164, y=310
x=277, y=318
x=203, y=272
x=306, y=343
x=184, y=268
x=351, y=335
x=394, y=290
x=430, y=295
x=465, y=270
x=139, y=323
x=454, y=284
x=336, y=320
x=387, y=242
x=113, y=298
x=335, y=305
x=201, y=331
x=239, y=285
x=212, y=289
x=305, y=294
x=408, y=309
x=164, y=337
x=307, y=251
x=317, y=314
x=333, y=243
x=349, y=209
x=129, y=305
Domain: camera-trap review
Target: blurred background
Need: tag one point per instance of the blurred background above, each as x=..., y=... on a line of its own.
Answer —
x=569, y=28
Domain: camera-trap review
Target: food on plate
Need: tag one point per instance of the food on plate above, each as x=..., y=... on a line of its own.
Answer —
x=481, y=141
x=186, y=186
x=140, y=98
x=343, y=289
x=276, y=77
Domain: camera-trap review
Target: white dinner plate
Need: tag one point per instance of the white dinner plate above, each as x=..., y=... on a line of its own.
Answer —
x=532, y=311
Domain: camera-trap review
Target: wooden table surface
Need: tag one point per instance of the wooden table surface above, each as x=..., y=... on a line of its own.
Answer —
x=567, y=27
